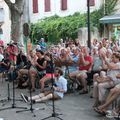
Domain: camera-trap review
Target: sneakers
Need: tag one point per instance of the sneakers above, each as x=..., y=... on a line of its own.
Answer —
x=112, y=114
x=24, y=97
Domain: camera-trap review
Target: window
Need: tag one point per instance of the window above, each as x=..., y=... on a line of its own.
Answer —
x=63, y=4
x=1, y=31
x=2, y=15
x=92, y=3
x=47, y=5
x=35, y=6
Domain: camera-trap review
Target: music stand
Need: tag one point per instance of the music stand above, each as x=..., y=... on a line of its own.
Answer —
x=31, y=109
x=54, y=114
x=13, y=90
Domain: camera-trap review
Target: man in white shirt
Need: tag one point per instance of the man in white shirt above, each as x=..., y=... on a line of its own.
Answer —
x=60, y=88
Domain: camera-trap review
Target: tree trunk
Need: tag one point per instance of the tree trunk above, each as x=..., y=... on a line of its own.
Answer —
x=16, y=12
x=16, y=26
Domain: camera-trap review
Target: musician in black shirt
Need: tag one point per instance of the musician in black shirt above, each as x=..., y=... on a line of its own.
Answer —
x=39, y=66
x=49, y=71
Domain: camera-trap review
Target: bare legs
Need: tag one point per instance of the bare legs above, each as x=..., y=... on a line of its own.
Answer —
x=42, y=82
x=44, y=96
x=114, y=94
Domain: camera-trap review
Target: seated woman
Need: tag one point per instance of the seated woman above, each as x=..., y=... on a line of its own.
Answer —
x=74, y=57
x=65, y=59
x=59, y=89
x=28, y=62
x=101, y=86
x=21, y=60
x=113, y=95
x=38, y=68
x=49, y=71
x=4, y=67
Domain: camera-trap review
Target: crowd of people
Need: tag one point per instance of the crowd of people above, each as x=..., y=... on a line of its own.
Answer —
x=101, y=63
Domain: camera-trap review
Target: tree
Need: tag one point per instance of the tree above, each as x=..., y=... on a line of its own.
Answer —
x=16, y=14
x=110, y=6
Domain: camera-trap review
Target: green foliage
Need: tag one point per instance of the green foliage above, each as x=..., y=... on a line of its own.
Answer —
x=54, y=28
x=110, y=6
x=113, y=38
x=36, y=33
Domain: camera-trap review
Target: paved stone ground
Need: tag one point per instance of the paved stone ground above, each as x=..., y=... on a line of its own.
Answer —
x=72, y=107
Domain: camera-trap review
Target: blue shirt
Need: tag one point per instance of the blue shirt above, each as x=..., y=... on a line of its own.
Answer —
x=97, y=63
x=74, y=66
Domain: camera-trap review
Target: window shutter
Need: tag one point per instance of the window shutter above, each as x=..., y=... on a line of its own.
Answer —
x=35, y=6
x=47, y=5
x=63, y=4
x=92, y=2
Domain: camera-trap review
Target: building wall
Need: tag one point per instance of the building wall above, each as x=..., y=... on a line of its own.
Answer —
x=6, y=24
x=118, y=7
x=72, y=7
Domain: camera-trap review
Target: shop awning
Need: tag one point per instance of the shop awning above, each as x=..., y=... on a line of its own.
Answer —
x=112, y=19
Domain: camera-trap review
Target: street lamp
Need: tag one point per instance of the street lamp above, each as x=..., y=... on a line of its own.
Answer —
x=88, y=24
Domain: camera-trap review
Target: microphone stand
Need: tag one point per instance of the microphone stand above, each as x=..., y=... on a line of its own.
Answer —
x=31, y=109
x=118, y=117
x=13, y=90
x=8, y=91
x=8, y=95
x=54, y=114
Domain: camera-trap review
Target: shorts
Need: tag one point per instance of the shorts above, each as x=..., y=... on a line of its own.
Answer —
x=118, y=86
x=50, y=75
x=3, y=69
x=83, y=72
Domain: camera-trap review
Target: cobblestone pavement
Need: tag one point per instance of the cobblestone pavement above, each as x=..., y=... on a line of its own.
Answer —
x=72, y=107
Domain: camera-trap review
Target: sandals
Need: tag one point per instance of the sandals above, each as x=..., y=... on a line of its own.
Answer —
x=99, y=111
x=96, y=104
